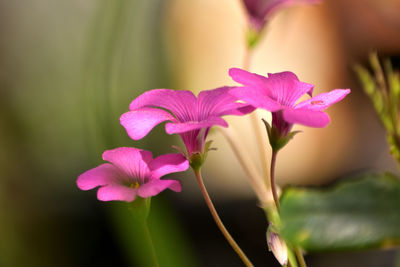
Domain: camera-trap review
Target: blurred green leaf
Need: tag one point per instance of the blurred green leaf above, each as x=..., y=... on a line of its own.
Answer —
x=354, y=214
x=366, y=80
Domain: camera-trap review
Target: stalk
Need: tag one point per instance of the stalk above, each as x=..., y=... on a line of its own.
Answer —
x=218, y=221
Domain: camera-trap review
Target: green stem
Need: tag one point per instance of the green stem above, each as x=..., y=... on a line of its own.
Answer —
x=300, y=257
x=218, y=221
x=140, y=209
x=272, y=177
x=149, y=242
x=297, y=251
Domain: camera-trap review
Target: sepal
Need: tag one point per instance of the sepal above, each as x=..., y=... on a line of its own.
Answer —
x=277, y=141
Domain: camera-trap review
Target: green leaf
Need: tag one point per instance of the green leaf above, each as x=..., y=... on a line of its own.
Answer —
x=355, y=214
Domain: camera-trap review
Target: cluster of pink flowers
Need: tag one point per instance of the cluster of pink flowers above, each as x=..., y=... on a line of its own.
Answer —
x=133, y=172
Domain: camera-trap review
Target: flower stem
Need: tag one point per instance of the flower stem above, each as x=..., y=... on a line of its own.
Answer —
x=255, y=121
x=149, y=241
x=300, y=257
x=297, y=251
x=218, y=221
x=247, y=58
x=256, y=179
x=140, y=209
x=272, y=176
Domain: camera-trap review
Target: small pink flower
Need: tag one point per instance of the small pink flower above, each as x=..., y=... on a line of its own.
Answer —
x=132, y=172
x=188, y=116
x=279, y=93
x=260, y=11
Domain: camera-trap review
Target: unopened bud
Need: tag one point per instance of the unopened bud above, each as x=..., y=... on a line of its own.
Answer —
x=278, y=247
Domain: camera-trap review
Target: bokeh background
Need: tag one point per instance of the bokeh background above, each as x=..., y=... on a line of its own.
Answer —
x=69, y=69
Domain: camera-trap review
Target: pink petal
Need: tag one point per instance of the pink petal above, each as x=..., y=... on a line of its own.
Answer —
x=286, y=88
x=140, y=122
x=277, y=245
x=154, y=187
x=178, y=102
x=168, y=163
x=263, y=9
x=285, y=75
x=324, y=100
x=219, y=102
x=116, y=192
x=132, y=161
x=101, y=175
x=172, y=128
x=256, y=97
x=247, y=78
x=306, y=117
x=260, y=11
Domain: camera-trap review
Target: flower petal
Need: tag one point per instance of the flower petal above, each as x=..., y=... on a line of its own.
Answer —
x=256, y=97
x=324, y=100
x=247, y=78
x=101, y=175
x=285, y=75
x=132, y=161
x=219, y=102
x=306, y=117
x=285, y=88
x=154, y=187
x=140, y=122
x=178, y=102
x=116, y=192
x=168, y=163
x=172, y=128
x=260, y=11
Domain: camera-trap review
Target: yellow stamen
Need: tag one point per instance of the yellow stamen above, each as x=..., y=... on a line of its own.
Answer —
x=134, y=185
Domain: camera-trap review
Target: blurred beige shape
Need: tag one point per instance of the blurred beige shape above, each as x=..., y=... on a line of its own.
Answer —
x=368, y=24
x=206, y=38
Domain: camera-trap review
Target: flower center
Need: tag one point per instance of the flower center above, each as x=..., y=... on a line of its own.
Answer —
x=134, y=185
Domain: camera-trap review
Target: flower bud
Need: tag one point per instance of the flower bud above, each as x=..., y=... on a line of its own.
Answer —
x=277, y=245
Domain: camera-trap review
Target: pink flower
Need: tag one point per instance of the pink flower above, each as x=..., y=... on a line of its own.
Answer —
x=260, y=11
x=132, y=172
x=279, y=93
x=188, y=116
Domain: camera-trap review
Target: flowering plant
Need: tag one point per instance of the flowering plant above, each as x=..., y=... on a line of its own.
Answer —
x=298, y=220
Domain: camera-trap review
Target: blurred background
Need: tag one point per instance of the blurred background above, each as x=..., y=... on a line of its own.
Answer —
x=69, y=69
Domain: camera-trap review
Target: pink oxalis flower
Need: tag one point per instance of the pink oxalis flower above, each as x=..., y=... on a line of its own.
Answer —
x=260, y=11
x=132, y=172
x=188, y=116
x=279, y=93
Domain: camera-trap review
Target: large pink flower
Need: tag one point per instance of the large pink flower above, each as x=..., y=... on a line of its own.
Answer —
x=279, y=93
x=188, y=116
x=260, y=11
x=132, y=172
